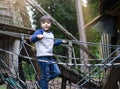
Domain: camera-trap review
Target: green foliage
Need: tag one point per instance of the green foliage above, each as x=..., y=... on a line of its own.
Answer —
x=66, y=15
x=93, y=36
x=28, y=71
x=91, y=11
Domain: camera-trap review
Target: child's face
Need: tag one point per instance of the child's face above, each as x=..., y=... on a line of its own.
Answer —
x=46, y=25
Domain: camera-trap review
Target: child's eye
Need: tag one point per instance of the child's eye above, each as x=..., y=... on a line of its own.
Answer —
x=44, y=22
x=48, y=22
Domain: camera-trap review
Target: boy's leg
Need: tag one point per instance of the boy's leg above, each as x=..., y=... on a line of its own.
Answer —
x=44, y=67
x=54, y=70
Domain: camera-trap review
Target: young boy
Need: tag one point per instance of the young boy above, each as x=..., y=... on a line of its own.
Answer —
x=44, y=40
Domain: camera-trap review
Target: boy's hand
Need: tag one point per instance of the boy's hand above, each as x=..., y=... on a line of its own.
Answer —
x=40, y=36
x=65, y=41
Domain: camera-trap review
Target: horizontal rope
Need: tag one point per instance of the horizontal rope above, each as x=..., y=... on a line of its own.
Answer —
x=62, y=63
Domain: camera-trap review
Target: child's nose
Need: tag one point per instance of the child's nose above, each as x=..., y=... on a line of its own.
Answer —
x=45, y=23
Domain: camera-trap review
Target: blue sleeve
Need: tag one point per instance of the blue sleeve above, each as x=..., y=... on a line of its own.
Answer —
x=34, y=36
x=58, y=42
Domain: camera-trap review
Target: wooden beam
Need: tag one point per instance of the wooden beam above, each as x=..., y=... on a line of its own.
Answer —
x=14, y=28
x=94, y=21
x=14, y=34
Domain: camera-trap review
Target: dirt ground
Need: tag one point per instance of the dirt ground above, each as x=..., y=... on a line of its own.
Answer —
x=56, y=84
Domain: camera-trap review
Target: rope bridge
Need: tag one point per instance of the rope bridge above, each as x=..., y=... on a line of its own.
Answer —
x=94, y=76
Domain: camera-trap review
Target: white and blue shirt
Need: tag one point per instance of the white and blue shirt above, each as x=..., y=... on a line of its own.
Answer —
x=44, y=47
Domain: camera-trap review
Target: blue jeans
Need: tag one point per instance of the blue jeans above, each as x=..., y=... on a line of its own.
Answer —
x=49, y=70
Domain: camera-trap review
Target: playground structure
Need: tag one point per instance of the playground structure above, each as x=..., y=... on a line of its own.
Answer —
x=20, y=50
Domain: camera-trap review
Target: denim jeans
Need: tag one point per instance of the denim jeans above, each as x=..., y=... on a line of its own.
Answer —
x=49, y=70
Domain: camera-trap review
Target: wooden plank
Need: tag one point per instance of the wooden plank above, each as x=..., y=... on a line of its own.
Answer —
x=14, y=34
x=94, y=21
x=75, y=78
x=13, y=28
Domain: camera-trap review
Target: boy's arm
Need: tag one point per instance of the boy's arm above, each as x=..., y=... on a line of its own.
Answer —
x=58, y=42
x=36, y=36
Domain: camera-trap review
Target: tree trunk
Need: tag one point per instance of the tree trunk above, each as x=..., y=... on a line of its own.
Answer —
x=82, y=35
